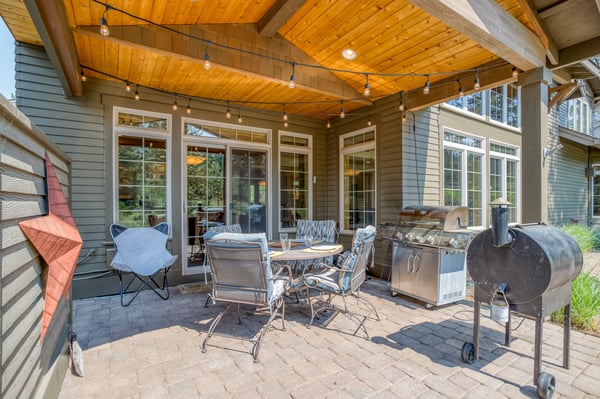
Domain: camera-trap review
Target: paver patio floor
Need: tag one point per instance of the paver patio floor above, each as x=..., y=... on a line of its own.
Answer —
x=152, y=350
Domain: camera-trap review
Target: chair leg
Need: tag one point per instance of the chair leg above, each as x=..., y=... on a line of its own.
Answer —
x=213, y=325
x=146, y=281
x=279, y=310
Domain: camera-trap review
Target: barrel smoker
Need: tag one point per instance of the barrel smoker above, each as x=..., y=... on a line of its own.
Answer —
x=526, y=269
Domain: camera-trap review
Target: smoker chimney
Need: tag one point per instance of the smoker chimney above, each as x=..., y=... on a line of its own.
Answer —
x=500, y=235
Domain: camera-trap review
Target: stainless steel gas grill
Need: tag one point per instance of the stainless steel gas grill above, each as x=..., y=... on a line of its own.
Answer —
x=428, y=256
x=525, y=269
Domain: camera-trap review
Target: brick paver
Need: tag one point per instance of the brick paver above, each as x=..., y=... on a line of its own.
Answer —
x=152, y=350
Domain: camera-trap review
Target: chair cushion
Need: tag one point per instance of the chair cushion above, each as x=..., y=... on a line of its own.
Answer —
x=142, y=251
x=326, y=280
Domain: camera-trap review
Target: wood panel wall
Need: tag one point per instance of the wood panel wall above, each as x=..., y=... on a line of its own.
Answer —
x=29, y=368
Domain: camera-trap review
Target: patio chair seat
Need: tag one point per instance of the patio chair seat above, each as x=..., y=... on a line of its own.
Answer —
x=141, y=252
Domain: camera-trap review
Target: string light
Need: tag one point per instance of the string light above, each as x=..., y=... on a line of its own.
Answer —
x=228, y=113
x=369, y=122
x=104, y=31
x=188, y=110
x=136, y=96
x=239, y=115
x=401, y=106
x=476, y=85
x=404, y=117
x=426, y=87
x=127, y=87
x=342, y=112
x=285, y=124
x=367, y=91
x=83, y=77
x=292, y=82
x=175, y=104
x=515, y=72
x=328, y=124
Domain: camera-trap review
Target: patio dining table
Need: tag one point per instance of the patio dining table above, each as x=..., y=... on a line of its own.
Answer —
x=300, y=252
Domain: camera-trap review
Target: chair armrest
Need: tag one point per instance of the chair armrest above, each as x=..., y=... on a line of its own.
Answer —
x=321, y=266
x=279, y=270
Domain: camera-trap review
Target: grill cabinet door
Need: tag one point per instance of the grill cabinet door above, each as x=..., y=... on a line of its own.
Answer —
x=425, y=274
x=402, y=263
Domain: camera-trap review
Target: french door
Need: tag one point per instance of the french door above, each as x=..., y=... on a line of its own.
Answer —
x=222, y=185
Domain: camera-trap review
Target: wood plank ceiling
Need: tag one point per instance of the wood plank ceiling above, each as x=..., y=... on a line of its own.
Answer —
x=161, y=44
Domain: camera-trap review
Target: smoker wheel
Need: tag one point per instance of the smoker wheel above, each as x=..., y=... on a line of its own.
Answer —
x=546, y=385
x=468, y=352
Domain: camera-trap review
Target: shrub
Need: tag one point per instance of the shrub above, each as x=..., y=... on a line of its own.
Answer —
x=585, y=298
x=583, y=234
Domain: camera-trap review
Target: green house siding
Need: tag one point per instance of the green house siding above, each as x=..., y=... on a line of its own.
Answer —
x=29, y=368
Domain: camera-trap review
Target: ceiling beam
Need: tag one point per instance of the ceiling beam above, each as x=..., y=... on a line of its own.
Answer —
x=317, y=80
x=50, y=20
x=489, y=25
x=278, y=15
x=578, y=52
x=541, y=31
x=447, y=89
x=592, y=68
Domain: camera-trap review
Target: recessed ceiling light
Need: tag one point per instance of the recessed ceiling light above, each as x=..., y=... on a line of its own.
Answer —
x=349, y=54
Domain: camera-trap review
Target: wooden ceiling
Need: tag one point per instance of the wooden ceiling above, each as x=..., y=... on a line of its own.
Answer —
x=254, y=46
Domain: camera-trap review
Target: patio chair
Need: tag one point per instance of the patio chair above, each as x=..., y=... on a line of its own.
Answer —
x=242, y=274
x=343, y=281
x=320, y=230
x=211, y=232
x=142, y=253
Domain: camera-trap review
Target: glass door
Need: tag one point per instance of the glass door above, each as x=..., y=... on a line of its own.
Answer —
x=223, y=185
x=249, y=188
x=205, y=200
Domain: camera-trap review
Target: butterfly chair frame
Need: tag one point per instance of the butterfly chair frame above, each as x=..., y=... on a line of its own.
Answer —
x=343, y=281
x=145, y=246
x=242, y=275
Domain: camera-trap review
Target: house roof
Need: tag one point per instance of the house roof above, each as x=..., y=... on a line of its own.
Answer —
x=255, y=46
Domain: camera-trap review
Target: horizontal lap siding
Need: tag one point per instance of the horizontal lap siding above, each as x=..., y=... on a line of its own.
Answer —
x=76, y=125
x=27, y=365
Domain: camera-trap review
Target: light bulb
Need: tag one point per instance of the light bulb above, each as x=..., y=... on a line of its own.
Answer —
x=175, y=105
x=292, y=82
x=239, y=118
x=285, y=124
x=285, y=116
x=515, y=72
x=369, y=122
x=461, y=91
x=188, y=110
x=136, y=96
x=403, y=117
x=83, y=77
x=207, y=64
x=228, y=114
x=104, y=27
x=328, y=124
x=367, y=91
x=426, y=87
x=476, y=86
x=127, y=87
x=401, y=107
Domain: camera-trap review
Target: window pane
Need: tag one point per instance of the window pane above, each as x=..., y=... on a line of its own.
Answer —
x=294, y=188
x=142, y=121
x=474, y=103
x=359, y=189
x=142, y=180
x=512, y=105
x=452, y=177
x=474, y=187
x=496, y=99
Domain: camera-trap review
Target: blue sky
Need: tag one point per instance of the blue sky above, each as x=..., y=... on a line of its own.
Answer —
x=7, y=64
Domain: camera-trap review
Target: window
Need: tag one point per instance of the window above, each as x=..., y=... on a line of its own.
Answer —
x=596, y=192
x=504, y=162
x=578, y=115
x=463, y=174
x=357, y=159
x=500, y=104
x=294, y=178
x=142, y=152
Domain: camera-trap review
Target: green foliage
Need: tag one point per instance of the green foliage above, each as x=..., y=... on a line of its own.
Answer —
x=585, y=235
x=585, y=304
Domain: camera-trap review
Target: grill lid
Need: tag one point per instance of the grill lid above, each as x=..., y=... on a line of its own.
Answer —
x=435, y=217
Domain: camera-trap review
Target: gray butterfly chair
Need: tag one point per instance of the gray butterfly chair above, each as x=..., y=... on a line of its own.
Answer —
x=242, y=274
x=324, y=285
x=141, y=253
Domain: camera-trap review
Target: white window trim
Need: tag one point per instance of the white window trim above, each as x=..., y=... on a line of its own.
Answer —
x=146, y=133
x=351, y=149
x=465, y=149
x=299, y=150
x=504, y=157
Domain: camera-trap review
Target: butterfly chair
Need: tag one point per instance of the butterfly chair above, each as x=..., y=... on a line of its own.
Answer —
x=242, y=274
x=141, y=252
x=343, y=281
